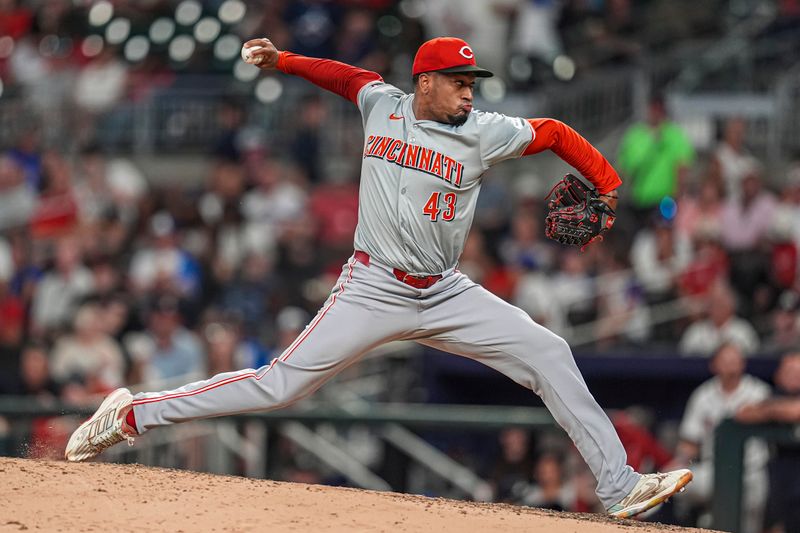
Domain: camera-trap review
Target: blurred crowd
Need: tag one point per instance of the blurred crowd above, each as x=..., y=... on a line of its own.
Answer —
x=110, y=277
x=125, y=281
x=126, y=50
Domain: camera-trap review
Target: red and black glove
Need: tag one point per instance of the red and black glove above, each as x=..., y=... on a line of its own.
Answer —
x=576, y=215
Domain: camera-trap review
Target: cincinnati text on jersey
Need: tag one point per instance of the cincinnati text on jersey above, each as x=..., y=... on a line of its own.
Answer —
x=416, y=157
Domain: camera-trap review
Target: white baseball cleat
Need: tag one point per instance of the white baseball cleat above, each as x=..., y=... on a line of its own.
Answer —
x=104, y=429
x=650, y=491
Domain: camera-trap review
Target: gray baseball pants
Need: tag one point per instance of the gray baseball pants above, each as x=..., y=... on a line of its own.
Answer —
x=368, y=307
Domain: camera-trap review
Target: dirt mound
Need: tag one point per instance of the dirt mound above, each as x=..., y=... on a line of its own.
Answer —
x=60, y=496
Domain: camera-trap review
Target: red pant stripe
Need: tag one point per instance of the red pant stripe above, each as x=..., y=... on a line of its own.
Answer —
x=284, y=357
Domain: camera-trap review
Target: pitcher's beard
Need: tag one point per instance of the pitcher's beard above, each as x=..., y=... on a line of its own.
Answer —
x=459, y=119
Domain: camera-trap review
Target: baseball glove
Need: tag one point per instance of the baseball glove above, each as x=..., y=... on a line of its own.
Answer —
x=576, y=215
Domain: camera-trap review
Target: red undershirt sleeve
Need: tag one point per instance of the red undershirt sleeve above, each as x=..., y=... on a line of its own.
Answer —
x=344, y=80
x=566, y=143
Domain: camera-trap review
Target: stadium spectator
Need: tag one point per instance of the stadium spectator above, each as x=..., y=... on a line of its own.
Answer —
x=719, y=398
x=790, y=199
x=720, y=326
x=512, y=470
x=27, y=154
x=783, y=511
x=35, y=378
x=658, y=256
x=12, y=329
x=299, y=265
x=26, y=273
x=651, y=157
x=494, y=215
x=525, y=249
x=550, y=489
x=248, y=294
x=17, y=199
x=731, y=158
x=56, y=213
x=746, y=221
x=709, y=265
x=289, y=323
x=645, y=452
x=275, y=201
x=306, y=146
x=101, y=83
x=785, y=324
x=6, y=261
x=166, y=349
x=623, y=314
x=334, y=205
x=747, y=218
x=565, y=298
x=534, y=31
x=88, y=356
x=162, y=266
x=61, y=288
x=486, y=23
x=574, y=288
x=47, y=434
x=700, y=212
x=533, y=294
x=221, y=342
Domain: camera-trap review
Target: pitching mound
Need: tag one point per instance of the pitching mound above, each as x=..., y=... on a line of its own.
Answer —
x=60, y=496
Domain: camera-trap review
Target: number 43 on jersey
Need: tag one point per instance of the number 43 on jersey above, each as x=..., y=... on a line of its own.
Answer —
x=448, y=206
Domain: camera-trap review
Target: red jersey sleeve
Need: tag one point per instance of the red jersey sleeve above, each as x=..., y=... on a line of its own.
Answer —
x=344, y=80
x=566, y=143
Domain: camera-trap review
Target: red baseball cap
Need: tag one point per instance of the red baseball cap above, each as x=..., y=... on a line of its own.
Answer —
x=447, y=54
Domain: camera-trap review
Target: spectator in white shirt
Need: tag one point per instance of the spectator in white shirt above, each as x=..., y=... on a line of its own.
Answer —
x=89, y=355
x=658, y=255
x=715, y=400
x=732, y=158
x=61, y=288
x=721, y=326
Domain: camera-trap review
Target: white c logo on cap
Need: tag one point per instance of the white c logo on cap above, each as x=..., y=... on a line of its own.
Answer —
x=466, y=51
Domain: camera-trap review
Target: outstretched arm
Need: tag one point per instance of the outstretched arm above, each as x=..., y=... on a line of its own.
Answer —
x=566, y=143
x=340, y=78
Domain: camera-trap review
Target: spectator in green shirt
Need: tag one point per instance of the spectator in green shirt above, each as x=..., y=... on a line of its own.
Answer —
x=651, y=156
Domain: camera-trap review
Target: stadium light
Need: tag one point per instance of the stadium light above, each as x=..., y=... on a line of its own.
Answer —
x=137, y=48
x=101, y=13
x=390, y=26
x=118, y=30
x=48, y=46
x=232, y=11
x=207, y=29
x=92, y=45
x=245, y=72
x=564, y=68
x=493, y=90
x=520, y=68
x=268, y=90
x=413, y=9
x=181, y=48
x=227, y=47
x=161, y=30
x=188, y=12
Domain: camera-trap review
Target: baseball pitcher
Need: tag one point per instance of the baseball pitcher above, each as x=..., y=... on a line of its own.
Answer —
x=423, y=159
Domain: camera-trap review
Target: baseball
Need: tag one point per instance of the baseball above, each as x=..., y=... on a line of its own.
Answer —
x=247, y=54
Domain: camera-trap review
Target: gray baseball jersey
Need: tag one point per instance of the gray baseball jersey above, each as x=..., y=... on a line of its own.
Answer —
x=420, y=182
x=420, y=179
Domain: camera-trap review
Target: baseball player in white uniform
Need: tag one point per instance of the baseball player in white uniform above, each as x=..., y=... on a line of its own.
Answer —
x=424, y=156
